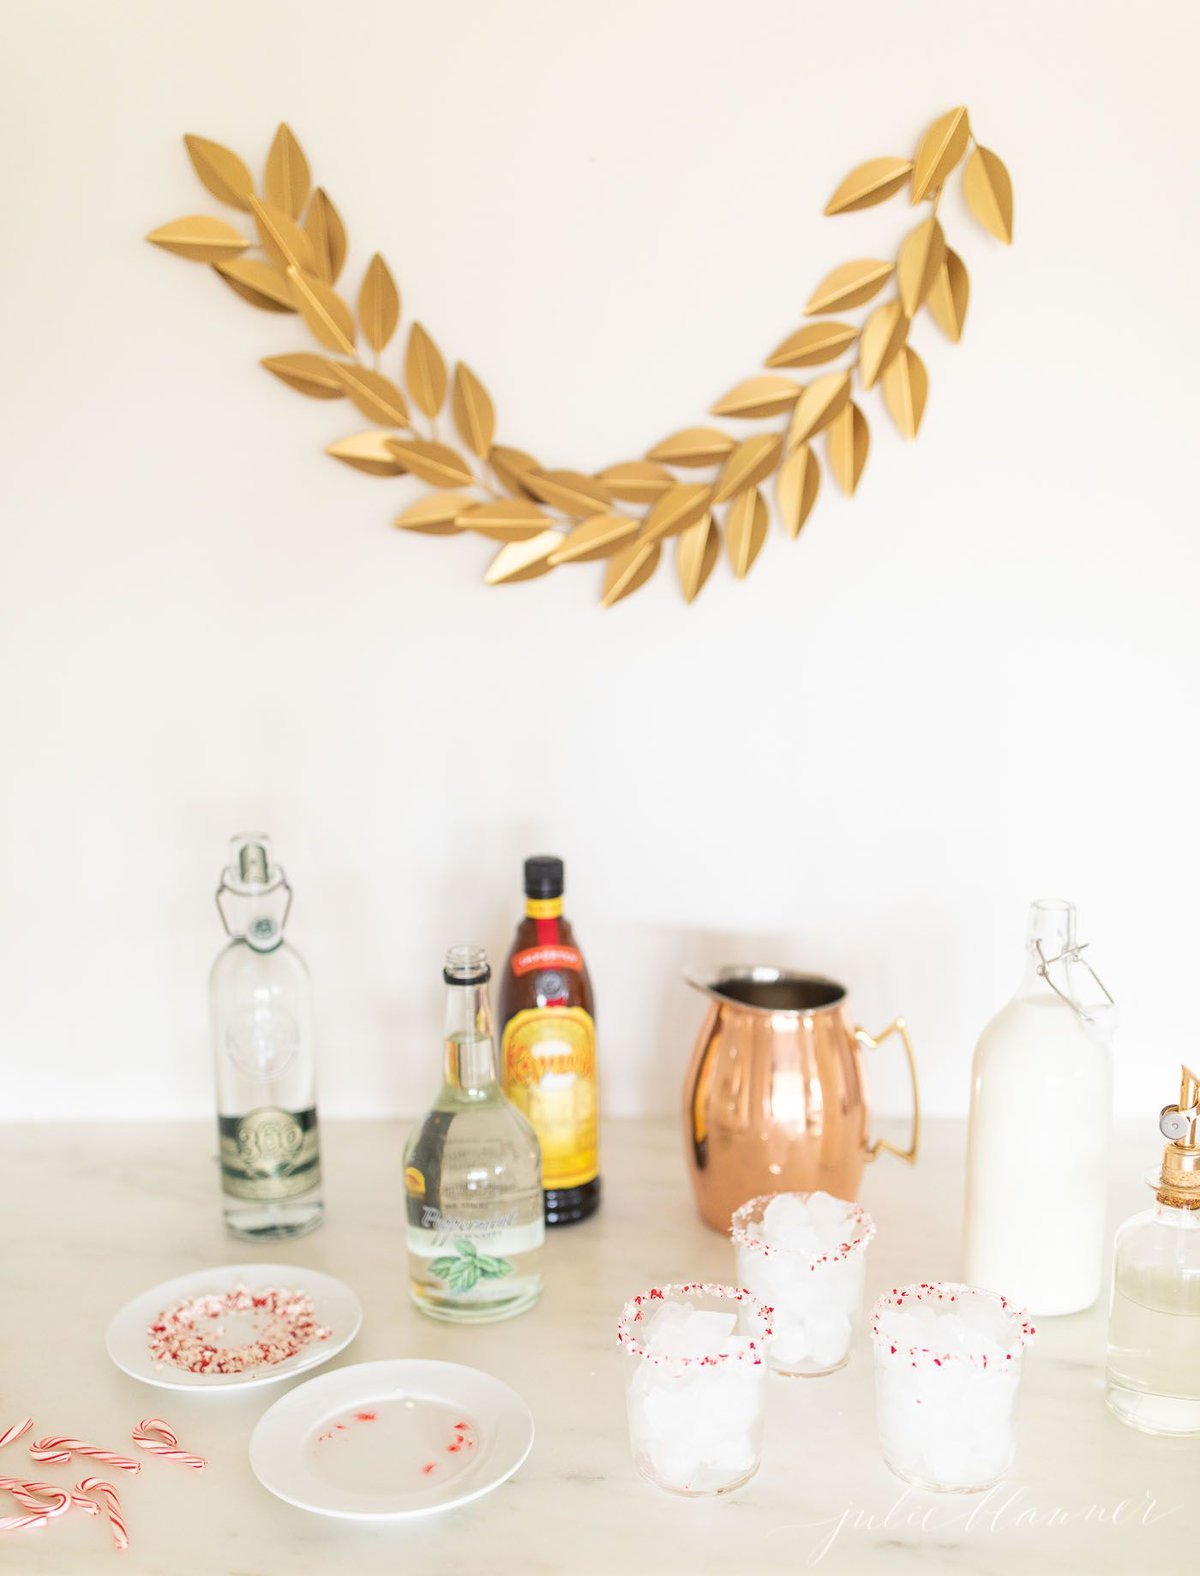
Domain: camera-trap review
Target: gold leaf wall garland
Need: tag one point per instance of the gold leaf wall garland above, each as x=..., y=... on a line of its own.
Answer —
x=287, y=253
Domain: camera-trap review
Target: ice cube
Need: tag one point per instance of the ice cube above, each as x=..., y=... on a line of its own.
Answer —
x=702, y=1334
x=733, y=1454
x=790, y=1342
x=733, y=1398
x=669, y=1408
x=829, y=1216
x=829, y=1336
x=664, y=1325
x=784, y=1217
x=675, y=1461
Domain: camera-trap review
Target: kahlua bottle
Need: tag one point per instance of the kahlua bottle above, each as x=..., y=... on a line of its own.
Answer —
x=1041, y=1118
x=548, y=1045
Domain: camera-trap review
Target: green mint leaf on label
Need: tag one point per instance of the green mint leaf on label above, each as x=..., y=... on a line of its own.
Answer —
x=465, y=1275
x=493, y=1269
x=466, y=1247
x=442, y=1268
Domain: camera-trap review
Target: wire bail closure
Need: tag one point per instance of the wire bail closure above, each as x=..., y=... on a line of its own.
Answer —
x=281, y=884
x=1072, y=956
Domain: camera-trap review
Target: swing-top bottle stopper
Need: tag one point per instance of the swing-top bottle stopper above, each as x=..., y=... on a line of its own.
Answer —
x=1179, y=1180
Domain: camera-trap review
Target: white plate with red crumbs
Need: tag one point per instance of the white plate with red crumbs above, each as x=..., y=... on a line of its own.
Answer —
x=385, y=1441
x=232, y=1327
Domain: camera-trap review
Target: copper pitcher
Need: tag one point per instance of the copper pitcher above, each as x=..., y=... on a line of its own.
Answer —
x=775, y=1099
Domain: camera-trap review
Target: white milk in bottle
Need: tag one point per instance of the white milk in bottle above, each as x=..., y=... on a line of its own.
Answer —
x=1041, y=1117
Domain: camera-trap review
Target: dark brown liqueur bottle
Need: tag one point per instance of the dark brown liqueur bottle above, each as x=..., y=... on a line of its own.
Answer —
x=548, y=1045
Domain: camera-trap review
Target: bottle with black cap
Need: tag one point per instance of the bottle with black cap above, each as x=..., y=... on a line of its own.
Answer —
x=473, y=1173
x=548, y=1044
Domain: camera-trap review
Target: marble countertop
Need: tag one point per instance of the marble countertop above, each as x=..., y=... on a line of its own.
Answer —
x=96, y=1214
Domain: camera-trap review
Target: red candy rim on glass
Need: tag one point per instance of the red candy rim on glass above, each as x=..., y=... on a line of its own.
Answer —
x=945, y=1292
x=638, y=1306
x=864, y=1230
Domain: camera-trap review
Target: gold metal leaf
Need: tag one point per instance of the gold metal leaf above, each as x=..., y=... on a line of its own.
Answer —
x=696, y=552
x=523, y=560
x=675, y=511
x=905, y=386
x=435, y=463
x=796, y=488
x=474, y=415
x=221, y=171
x=749, y=463
x=765, y=395
x=813, y=344
x=988, y=190
x=883, y=334
x=948, y=296
x=424, y=371
x=308, y=374
x=288, y=178
x=870, y=183
x=817, y=407
x=505, y=519
x=376, y=396
x=570, y=491
x=939, y=151
x=258, y=283
x=598, y=537
x=921, y=254
x=848, y=442
x=511, y=466
x=285, y=243
x=745, y=530
x=637, y=481
x=324, y=228
x=326, y=314
x=849, y=285
x=628, y=570
x=378, y=304
x=693, y=446
x=436, y=514
x=200, y=238
x=370, y=452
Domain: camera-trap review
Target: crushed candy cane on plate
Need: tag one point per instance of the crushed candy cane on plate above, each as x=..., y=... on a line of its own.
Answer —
x=193, y=1333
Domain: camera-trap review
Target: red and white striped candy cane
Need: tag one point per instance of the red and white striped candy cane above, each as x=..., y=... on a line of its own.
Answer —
x=15, y=1432
x=33, y=1497
x=112, y=1504
x=58, y=1448
x=166, y=1444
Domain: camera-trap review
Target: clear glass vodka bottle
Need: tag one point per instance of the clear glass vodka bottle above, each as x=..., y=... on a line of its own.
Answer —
x=1153, y=1371
x=265, y=1065
x=473, y=1173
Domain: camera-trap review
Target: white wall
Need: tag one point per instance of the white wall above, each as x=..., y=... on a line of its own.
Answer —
x=973, y=684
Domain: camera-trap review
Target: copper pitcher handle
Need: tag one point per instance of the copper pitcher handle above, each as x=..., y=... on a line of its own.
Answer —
x=872, y=1043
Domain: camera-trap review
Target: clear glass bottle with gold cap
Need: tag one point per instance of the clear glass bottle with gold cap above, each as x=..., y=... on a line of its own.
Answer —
x=1153, y=1375
x=473, y=1173
x=265, y=1061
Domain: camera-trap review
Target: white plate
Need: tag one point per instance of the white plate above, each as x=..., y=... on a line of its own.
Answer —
x=414, y=1437
x=336, y=1306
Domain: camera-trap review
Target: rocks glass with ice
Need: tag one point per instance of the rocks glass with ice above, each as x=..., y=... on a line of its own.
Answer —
x=805, y=1256
x=947, y=1368
x=696, y=1385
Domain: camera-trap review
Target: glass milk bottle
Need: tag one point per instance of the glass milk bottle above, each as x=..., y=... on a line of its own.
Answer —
x=265, y=1062
x=473, y=1173
x=1153, y=1371
x=1041, y=1117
